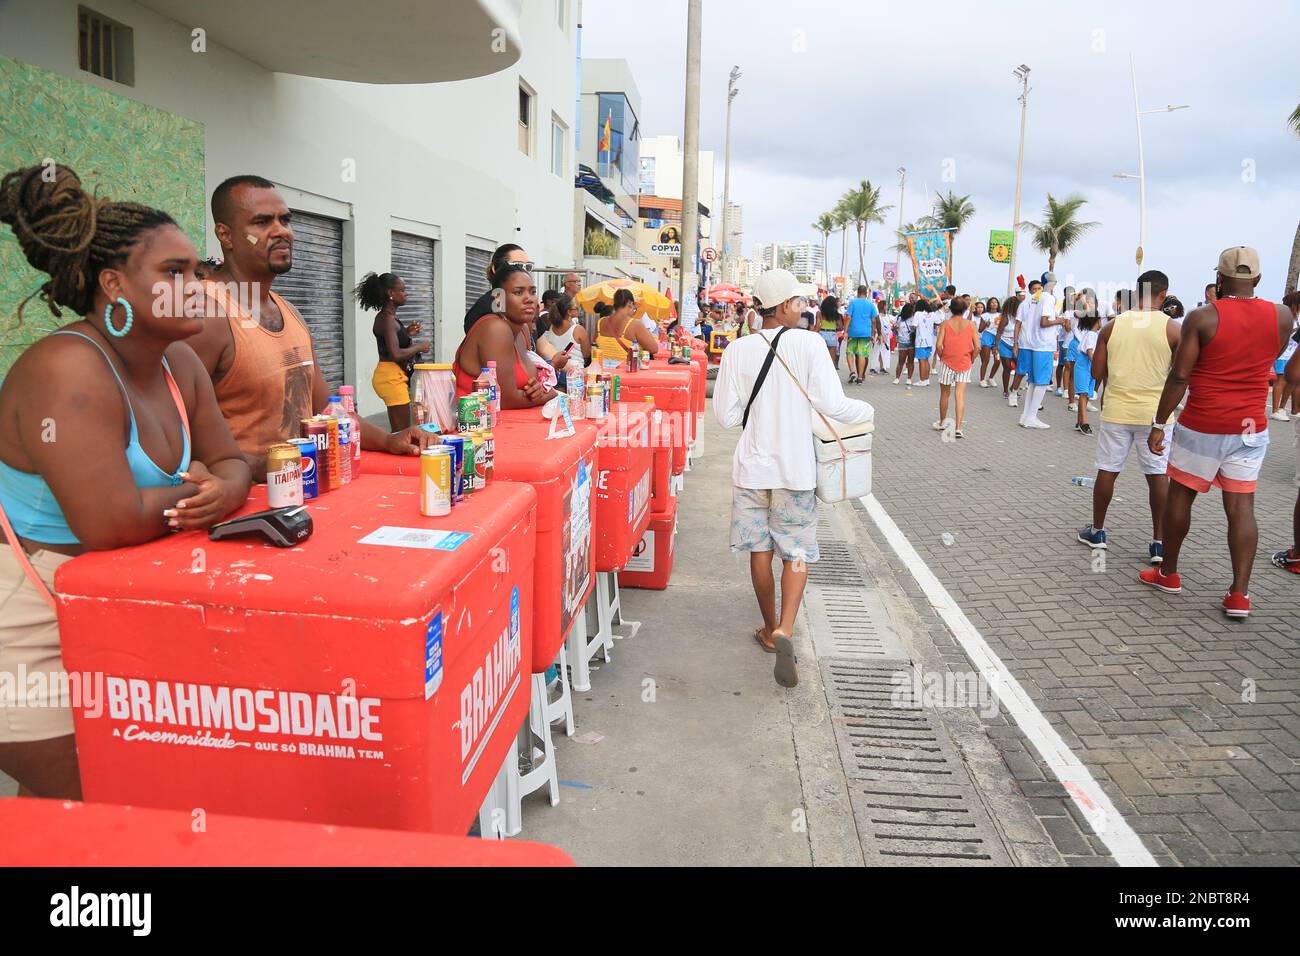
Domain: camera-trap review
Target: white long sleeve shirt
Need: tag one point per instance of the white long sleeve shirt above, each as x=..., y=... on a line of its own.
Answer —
x=776, y=448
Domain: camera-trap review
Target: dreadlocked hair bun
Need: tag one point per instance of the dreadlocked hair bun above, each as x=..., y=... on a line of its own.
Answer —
x=69, y=234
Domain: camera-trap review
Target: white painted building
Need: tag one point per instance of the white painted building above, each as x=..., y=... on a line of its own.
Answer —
x=806, y=258
x=661, y=175
x=378, y=162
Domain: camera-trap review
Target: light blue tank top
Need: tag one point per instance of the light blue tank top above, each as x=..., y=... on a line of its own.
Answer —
x=31, y=506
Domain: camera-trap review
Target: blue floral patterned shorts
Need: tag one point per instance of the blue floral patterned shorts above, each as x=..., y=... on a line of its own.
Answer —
x=766, y=518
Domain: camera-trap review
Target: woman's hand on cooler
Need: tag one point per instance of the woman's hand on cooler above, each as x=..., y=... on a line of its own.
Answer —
x=411, y=441
x=536, y=392
x=209, y=504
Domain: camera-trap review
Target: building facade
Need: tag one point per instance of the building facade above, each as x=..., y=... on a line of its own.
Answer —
x=422, y=178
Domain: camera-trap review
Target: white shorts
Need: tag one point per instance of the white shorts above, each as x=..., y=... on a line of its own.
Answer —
x=1114, y=442
x=1231, y=462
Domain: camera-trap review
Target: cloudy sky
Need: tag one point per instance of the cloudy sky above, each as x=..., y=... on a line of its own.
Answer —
x=837, y=92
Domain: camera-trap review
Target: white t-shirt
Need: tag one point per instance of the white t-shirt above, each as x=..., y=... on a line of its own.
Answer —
x=990, y=321
x=925, y=325
x=1032, y=335
x=1087, y=340
x=776, y=449
x=1009, y=330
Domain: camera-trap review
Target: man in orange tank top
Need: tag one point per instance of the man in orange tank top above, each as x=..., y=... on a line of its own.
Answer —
x=1225, y=355
x=255, y=345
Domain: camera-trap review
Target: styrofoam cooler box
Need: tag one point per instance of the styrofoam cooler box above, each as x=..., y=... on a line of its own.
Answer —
x=651, y=565
x=843, y=473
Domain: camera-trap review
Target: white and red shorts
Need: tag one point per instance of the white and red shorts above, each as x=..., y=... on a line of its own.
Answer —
x=1231, y=462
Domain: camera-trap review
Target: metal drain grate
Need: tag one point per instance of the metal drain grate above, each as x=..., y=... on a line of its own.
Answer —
x=912, y=798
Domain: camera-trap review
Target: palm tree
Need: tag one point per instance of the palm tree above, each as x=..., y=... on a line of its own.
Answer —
x=1294, y=121
x=900, y=247
x=825, y=225
x=1059, y=230
x=842, y=223
x=862, y=205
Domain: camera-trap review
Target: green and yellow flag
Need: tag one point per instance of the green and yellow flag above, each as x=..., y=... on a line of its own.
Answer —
x=1000, y=245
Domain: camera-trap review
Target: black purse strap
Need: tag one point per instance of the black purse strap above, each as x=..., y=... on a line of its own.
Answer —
x=762, y=374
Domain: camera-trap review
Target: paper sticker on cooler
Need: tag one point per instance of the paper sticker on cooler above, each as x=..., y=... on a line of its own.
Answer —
x=433, y=655
x=425, y=538
x=643, y=558
x=515, y=629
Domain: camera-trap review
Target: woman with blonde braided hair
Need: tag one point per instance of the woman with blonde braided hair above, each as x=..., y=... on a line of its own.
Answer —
x=110, y=434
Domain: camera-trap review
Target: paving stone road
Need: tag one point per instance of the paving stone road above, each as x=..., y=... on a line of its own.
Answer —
x=1189, y=721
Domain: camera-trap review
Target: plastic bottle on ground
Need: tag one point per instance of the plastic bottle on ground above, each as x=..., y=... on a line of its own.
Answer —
x=1083, y=482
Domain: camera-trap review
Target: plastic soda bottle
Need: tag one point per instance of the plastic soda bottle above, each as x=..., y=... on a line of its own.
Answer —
x=338, y=412
x=348, y=394
x=494, y=395
x=576, y=388
x=483, y=388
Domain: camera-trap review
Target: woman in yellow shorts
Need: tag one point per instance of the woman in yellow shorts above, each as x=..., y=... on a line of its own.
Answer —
x=397, y=351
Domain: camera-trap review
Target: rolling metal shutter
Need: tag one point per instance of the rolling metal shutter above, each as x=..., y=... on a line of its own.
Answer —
x=315, y=286
x=476, y=283
x=413, y=264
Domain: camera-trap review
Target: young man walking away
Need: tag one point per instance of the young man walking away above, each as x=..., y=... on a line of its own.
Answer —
x=862, y=313
x=1226, y=359
x=1132, y=355
x=766, y=384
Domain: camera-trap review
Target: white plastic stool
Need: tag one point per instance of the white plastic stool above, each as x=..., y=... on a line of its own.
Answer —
x=699, y=435
x=534, y=734
x=580, y=649
x=562, y=706
x=493, y=816
x=676, y=483
x=609, y=609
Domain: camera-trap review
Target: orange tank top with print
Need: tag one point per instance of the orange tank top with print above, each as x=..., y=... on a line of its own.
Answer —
x=266, y=392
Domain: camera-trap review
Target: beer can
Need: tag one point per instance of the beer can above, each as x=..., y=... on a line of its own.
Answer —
x=283, y=475
x=467, y=413
x=596, y=401
x=435, y=481
x=345, y=448
x=634, y=360
x=480, y=462
x=457, y=445
x=467, y=470
x=490, y=451
x=617, y=389
x=307, y=449
x=318, y=430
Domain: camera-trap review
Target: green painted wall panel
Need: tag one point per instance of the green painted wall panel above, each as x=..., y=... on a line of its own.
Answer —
x=120, y=148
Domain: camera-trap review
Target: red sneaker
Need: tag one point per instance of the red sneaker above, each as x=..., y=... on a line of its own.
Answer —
x=1169, y=583
x=1236, y=604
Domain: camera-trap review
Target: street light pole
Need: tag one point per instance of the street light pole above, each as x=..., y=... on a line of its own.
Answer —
x=726, y=174
x=902, y=192
x=1022, y=72
x=1141, y=176
x=690, y=159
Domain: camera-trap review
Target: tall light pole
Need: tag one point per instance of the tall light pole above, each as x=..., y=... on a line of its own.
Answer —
x=690, y=161
x=732, y=90
x=1141, y=176
x=902, y=192
x=1021, y=72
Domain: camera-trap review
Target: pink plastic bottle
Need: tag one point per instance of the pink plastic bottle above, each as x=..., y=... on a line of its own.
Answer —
x=348, y=395
x=494, y=394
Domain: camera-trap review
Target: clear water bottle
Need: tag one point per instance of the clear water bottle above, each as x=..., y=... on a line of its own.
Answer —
x=576, y=387
x=1083, y=482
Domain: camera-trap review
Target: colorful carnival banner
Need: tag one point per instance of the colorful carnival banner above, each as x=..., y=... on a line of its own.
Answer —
x=931, y=251
x=1000, y=245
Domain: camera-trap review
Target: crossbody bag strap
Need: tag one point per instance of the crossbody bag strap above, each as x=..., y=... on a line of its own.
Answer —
x=762, y=375
x=37, y=581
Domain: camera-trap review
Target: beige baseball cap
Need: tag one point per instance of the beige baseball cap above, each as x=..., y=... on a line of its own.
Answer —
x=776, y=286
x=1239, y=262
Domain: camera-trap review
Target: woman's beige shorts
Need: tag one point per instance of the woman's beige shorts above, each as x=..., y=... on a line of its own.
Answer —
x=34, y=700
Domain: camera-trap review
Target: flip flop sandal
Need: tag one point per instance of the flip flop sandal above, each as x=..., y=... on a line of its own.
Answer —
x=785, y=672
x=758, y=636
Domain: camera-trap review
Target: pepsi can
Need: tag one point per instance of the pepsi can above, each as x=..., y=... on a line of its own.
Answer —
x=310, y=481
x=457, y=445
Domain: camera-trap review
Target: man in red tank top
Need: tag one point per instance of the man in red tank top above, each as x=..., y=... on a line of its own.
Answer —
x=1225, y=356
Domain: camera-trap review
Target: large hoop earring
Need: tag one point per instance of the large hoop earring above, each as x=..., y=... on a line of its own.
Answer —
x=108, y=318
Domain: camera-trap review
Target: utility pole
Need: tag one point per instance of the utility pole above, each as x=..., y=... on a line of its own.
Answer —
x=732, y=90
x=691, y=160
x=1022, y=72
x=902, y=192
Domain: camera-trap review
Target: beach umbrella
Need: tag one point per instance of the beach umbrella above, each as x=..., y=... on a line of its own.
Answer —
x=650, y=300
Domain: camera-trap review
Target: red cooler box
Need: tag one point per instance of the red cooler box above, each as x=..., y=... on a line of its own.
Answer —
x=63, y=833
x=670, y=385
x=373, y=675
x=562, y=471
x=652, y=563
x=624, y=460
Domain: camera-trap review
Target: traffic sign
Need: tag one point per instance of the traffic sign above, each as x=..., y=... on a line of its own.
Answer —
x=710, y=254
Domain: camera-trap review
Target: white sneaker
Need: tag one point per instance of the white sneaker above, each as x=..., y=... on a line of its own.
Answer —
x=984, y=383
x=896, y=382
x=1072, y=407
x=1035, y=423
x=1093, y=408
x=1281, y=415
x=937, y=426
x=1012, y=401
x=1060, y=393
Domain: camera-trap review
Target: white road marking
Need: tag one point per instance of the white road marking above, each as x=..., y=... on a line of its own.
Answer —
x=1106, y=821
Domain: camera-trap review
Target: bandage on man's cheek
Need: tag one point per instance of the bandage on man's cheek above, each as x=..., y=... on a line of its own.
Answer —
x=251, y=238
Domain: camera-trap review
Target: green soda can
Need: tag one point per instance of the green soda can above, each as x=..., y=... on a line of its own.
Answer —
x=468, y=469
x=467, y=413
x=617, y=383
